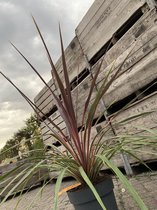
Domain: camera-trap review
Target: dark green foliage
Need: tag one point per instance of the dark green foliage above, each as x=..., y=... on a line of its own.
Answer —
x=38, y=147
x=27, y=134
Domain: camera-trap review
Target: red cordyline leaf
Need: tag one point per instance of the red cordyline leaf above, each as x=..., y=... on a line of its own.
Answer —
x=59, y=136
x=102, y=90
x=91, y=113
x=68, y=88
x=69, y=105
x=57, y=100
x=81, y=149
x=93, y=85
x=65, y=108
x=93, y=109
x=56, y=76
x=54, y=71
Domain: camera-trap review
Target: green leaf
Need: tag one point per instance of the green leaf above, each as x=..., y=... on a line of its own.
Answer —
x=133, y=117
x=2, y=177
x=22, y=180
x=89, y=183
x=57, y=187
x=125, y=182
x=12, y=180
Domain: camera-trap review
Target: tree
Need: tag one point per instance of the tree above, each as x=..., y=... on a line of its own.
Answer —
x=38, y=147
x=10, y=150
x=26, y=139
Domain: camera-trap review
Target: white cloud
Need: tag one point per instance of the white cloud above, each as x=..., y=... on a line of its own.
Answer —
x=11, y=120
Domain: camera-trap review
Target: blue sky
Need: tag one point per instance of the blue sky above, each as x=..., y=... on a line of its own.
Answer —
x=17, y=26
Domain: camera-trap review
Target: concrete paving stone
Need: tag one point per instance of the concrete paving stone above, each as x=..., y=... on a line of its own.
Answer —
x=145, y=184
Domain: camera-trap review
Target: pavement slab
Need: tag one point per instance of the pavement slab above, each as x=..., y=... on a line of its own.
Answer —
x=145, y=184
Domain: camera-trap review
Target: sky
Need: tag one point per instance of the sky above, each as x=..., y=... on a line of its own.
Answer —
x=16, y=25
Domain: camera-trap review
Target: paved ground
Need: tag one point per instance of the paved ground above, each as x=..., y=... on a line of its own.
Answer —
x=146, y=185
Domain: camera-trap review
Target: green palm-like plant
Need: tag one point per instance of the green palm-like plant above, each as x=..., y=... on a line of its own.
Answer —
x=83, y=157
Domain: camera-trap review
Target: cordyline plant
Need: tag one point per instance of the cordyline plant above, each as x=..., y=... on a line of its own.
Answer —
x=84, y=156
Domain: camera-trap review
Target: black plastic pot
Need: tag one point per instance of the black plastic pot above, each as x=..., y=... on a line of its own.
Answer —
x=83, y=199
